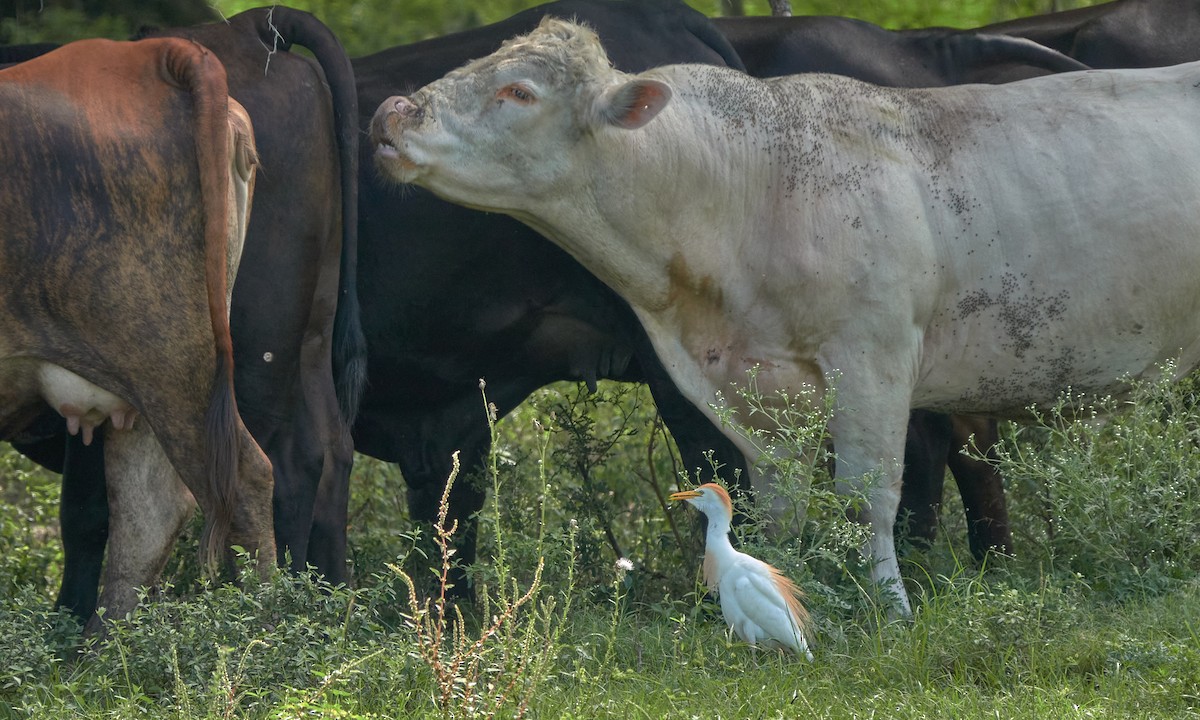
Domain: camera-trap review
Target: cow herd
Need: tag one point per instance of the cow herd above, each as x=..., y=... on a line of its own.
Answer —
x=947, y=253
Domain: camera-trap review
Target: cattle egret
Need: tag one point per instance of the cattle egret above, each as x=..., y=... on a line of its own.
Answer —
x=758, y=602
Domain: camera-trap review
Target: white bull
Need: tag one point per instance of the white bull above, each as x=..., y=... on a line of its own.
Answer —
x=971, y=249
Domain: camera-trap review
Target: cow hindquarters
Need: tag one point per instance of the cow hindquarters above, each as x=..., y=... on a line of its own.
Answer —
x=148, y=505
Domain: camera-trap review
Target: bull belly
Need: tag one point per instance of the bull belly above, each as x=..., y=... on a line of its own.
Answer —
x=1005, y=384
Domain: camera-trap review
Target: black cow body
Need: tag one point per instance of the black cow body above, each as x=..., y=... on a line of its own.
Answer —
x=1119, y=34
x=300, y=245
x=771, y=47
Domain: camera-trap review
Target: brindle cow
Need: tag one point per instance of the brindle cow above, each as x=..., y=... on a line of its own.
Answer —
x=296, y=362
x=127, y=175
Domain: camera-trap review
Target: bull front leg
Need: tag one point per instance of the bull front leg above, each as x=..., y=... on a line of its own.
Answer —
x=868, y=430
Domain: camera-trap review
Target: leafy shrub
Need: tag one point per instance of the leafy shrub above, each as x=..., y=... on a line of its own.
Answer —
x=33, y=638
x=30, y=551
x=229, y=644
x=1108, y=488
x=591, y=471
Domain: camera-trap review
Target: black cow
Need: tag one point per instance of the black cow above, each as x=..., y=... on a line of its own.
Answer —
x=1123, y=33
x=774, y=46
x=298, y=368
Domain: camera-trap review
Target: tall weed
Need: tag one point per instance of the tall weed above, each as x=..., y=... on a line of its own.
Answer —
x=497, y=667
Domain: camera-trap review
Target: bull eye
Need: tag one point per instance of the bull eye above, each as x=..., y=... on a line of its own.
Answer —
x=516, y=92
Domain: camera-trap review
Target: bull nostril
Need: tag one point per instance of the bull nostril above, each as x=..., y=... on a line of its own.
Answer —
x=408, y=109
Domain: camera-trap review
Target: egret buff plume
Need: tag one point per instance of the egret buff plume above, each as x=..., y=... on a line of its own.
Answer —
x=758, y=602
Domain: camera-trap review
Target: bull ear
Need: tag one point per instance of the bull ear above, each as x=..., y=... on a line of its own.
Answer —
x=634, y=103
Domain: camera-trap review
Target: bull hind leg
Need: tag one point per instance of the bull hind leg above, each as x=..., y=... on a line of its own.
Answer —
x=237, y=508
x=148, y=506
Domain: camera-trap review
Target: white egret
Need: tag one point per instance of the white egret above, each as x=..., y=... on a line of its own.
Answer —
x=759, y=603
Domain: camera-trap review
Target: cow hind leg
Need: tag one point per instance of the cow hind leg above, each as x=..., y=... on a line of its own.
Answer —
x=312, y=486
x=328, y=540
x=327, y=545
x=981, y=487
x=252, y=527
x=233, y=492
x=83, y=517
x=148, y=506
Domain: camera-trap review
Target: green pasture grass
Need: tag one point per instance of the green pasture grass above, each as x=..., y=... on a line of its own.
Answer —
x=673, y=660
x=1097, y=616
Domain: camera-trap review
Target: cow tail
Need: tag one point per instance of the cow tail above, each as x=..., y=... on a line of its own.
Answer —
x=191, y=66
x=349, y=342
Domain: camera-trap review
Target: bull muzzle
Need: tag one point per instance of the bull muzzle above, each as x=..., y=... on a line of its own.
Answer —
x=394, y=116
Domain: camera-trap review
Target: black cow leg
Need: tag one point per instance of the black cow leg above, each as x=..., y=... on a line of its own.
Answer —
x=327, y=543
x=297, y=474
x=925, y=451
x=981, y=487
x=83, y=517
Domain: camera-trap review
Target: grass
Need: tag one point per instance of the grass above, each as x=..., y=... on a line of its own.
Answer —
x=1097, y=617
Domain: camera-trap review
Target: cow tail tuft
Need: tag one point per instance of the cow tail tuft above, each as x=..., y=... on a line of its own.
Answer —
x=221, y=464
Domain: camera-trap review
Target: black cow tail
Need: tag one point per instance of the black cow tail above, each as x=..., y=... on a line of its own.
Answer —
x=349, y=342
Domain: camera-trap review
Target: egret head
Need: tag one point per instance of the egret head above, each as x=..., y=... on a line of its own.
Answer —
x=710, y=499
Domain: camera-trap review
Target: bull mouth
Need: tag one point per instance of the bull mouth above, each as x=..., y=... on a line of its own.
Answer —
x=386, y=148
x=391, y=158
